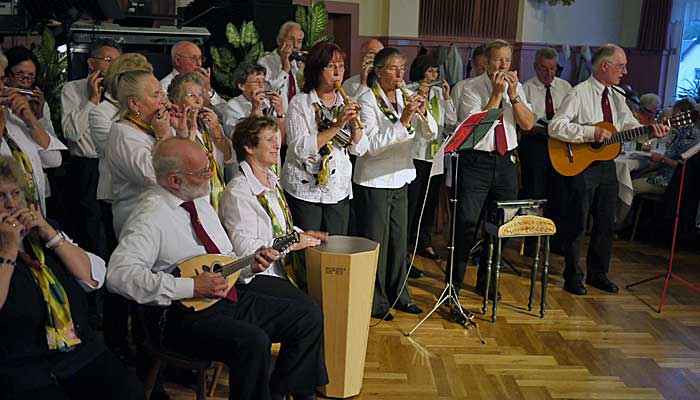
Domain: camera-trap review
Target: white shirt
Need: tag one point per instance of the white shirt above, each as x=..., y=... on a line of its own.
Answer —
x=456, y=93
x=38, y=157
x=156, y=238
x=386, y=160
x=100, y=120
x=235, y=109
x=277, y=79
x=165, y=82
x=447, y=116
x=581, y=109
x=536, y=93
x=353, y=86
x=76, y=107
x=475, y=96
x=246, y=220
x=303, y=160
x=129, y=160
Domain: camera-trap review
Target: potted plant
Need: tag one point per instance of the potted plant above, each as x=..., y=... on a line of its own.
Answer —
x=244, y=45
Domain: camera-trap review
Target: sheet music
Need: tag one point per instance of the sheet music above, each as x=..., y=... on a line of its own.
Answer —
x=691, y=151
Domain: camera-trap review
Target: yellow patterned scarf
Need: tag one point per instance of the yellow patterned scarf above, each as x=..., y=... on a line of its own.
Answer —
x=26, y=166
x=217, y=176
x=61, y=334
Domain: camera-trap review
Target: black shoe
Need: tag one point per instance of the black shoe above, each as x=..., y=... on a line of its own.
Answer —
x=159, y=392
x=428, y=254
x=384, y=316
x=416, y=273
x=410, y=308
x=603, y=283
x=454, y=313
x=575, y=287
x=479, y=289
x=303, y=396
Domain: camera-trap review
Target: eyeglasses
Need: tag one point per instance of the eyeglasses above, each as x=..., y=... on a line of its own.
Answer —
x=334, y=67
x=396, y=69
x=24, y=77
x=619, y=67
x=105, y=59
x=190, y=94
x=200, y=174
x=193, y=58
x=256, y=82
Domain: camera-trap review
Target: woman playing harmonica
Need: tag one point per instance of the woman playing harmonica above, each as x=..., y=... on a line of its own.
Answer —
x=392, y=117
x=185, y=91
x=322, y=128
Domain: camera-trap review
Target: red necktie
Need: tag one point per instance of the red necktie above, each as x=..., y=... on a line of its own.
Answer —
x=605, y=103
x=500, y=139
x=203, y=237
x=291, y=86
x=548, y=103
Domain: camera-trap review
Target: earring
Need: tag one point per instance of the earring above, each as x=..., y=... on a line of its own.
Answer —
x=138, y=113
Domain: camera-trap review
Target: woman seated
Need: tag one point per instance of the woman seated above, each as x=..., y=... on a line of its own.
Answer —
x=47, y=349
x=25, y=119
x=665, y=164
x=254, y=212
x=144, y=118
x=185, y=91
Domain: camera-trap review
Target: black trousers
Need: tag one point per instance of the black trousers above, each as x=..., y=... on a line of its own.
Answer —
x=593, y=191
x=416, y=194
x=331, y=218
x=535, y=167
x=481, y=178
x=268, y=310
x=382, y=216
x=90, y=230
x=105, y=377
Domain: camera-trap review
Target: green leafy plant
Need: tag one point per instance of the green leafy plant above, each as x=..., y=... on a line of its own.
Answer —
x=691, y=90
x=314, y=22
x=52, y=74
x=244, y=45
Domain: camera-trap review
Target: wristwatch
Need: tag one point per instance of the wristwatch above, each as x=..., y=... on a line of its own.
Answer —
x=516, y=100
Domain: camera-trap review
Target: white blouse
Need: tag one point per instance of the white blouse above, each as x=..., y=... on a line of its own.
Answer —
x=100, y=120
x=447, y=116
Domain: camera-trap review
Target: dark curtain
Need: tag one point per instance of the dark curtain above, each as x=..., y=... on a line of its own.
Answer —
x=653, y=24
x=469, y=18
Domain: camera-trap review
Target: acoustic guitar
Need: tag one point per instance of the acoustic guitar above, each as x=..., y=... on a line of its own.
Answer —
x=571, y=159
x=229, y=267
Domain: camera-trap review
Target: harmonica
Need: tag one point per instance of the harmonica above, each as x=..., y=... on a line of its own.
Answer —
x=24, y=92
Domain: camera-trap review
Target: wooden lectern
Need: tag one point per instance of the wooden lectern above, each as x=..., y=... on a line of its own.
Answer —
x=340, y=275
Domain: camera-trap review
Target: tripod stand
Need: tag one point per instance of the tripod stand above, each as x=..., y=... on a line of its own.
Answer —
x=449, y=293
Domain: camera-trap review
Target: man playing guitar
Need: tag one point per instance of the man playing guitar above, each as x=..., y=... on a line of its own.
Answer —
x=586, y=104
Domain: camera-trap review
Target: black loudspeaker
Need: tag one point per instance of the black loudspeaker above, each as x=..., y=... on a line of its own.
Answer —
x=267, y=15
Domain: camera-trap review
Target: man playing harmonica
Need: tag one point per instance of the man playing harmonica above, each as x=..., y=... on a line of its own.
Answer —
x=284, y=65
x=487, y=171
x=356, y=84
x=187, y=57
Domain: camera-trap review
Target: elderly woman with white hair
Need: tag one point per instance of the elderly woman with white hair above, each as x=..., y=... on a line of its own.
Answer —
x=187, y=91
x=284, y=64
x=25, y=138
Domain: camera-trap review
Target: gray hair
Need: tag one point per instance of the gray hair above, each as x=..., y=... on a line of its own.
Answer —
x=603, y=53
x=495, y=45
x=128, y=84
x=178, y=82
x=285, y=28
x=547, y=53
x=166, y=164
x=649, y=101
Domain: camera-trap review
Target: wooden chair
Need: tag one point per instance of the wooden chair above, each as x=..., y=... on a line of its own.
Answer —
x=161, y=356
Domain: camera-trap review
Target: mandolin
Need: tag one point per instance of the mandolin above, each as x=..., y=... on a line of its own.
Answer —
x=229, y=267
x=571, y=159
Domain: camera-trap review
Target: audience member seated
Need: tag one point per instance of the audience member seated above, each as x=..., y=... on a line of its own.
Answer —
x=144, y=118
x=356, y=84
x=317, y=173
x=648, y=108
x=664, y=164
x=187, y=57
x=285, y=63
x=185, y=91
x=174, y=222
x=28, y=134
x=249, y=79
x=78, y=98
x=47, y=349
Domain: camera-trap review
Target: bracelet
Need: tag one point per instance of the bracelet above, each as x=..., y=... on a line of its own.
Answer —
x=56, y=241
x=8, y=262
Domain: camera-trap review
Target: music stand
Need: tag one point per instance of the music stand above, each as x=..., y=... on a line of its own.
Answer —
x=670, y=274
x=467, y=134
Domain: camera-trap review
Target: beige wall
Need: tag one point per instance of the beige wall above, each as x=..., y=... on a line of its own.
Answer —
x=586, y=22
x=374, y=17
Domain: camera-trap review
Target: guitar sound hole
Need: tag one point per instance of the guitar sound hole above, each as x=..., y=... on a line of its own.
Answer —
x=596, y=145
x=217, y=267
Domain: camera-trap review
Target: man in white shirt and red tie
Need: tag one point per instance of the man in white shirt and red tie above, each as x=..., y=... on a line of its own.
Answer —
x=175, y=222
x=594, y=191
x=283, y=65
x=487, y=171
x=545, y=92
x=187, y=57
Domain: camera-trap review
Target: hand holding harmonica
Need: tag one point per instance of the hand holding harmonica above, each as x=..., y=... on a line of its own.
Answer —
x=94, y=86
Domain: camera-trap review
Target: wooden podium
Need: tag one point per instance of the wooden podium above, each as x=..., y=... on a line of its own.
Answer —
x=340, y=275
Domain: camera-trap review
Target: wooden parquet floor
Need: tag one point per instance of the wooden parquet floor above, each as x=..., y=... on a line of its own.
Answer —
x=598, y=346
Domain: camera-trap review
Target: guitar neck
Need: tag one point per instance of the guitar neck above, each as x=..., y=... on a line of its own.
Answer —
x=629, y=134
